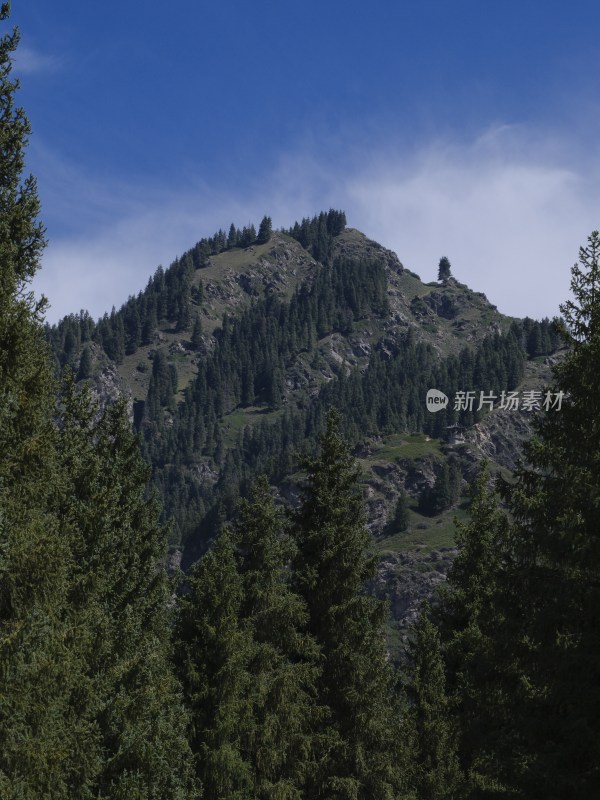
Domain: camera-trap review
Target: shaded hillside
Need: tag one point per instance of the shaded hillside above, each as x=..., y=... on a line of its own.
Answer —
x=233, y=354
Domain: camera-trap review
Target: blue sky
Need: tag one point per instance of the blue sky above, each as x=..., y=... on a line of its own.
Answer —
x=464, y=129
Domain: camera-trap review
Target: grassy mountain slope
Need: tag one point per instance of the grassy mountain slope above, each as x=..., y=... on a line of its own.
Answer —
x=180, y=353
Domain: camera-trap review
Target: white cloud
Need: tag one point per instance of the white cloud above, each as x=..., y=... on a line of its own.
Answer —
x=510, y=223
x=124, y=236
x=28, y=61
x=509, y=210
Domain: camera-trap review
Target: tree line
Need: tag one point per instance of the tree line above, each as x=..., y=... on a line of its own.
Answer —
x=250, y=363
x=252, y=355
x=110, y=687
x=172, y=297
x=509, y=685
x=268, y=677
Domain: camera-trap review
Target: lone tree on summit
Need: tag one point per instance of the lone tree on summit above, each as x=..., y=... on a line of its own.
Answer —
x=443, y=269
x=265, y=231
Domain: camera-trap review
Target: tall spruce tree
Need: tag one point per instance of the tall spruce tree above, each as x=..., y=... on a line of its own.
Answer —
x=38, y=731
x=519, y=615
x=284, y=747
x=247, y=665
x=196, y=340
x=213, y=651
x=118, y=604
x=85, y=364
x=429, y=720
x=444, y=269
x=478, y=643
x=401, y=517
x=265, y=230
x=556, y=576
x=355, y=684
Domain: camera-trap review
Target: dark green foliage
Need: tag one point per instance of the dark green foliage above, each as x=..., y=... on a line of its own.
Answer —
x=541, y=338
x=112, y=332
x=132, y=327
x=444, y=269
x=355, y=684
x=38, y=730
x=556, y=574
x=212, y=656
x=247, y=236
x=88, y=707
x=130, y=721
x=316, y=235
x=475, y=632
x=437, y=774
x=247, y=667
x=519, y=611
x=233, y=237
x=284, y=657
x=445, y=491
x=163, y=384
x=182, y=314
x=85, y=364
x=265, y=231
x=196, y=340
x=400, y=520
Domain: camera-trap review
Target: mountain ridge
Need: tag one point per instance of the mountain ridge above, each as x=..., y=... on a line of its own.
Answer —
x=230, y=358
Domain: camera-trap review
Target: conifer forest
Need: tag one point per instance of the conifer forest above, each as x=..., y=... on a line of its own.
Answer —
x=201, y=565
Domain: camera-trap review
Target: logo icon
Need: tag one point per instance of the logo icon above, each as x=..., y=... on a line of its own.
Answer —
x=436, y=400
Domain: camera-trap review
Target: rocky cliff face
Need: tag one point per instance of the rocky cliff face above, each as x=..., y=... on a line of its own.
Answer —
x=406, y=580
x=448, y=316
x=105, y=382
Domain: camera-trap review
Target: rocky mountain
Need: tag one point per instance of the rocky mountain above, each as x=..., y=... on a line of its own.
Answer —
x=231, y=356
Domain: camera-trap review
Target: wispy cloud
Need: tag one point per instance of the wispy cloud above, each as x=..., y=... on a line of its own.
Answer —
x=508, y=213
x=28, y=61
x=509, y=209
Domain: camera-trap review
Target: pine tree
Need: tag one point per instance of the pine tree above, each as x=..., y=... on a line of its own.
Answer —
x=555, y=580
x=150, y=323
x=443, y=493
x=232, y=238
x=115, y=345
x=196, y=340
x=133, y=327
x=248, y=668
x=127, y=700
x=282, y=666
x=85, y=365
x=477, y=641
x=37, y=733
x=213, y=651
x=443, y=269
x=429, y=718
x=401, y=513
x=265, y=230
x=183, y=315
x=66, y=730
x=534, y=342
x=331, y=571
x=517, y=612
